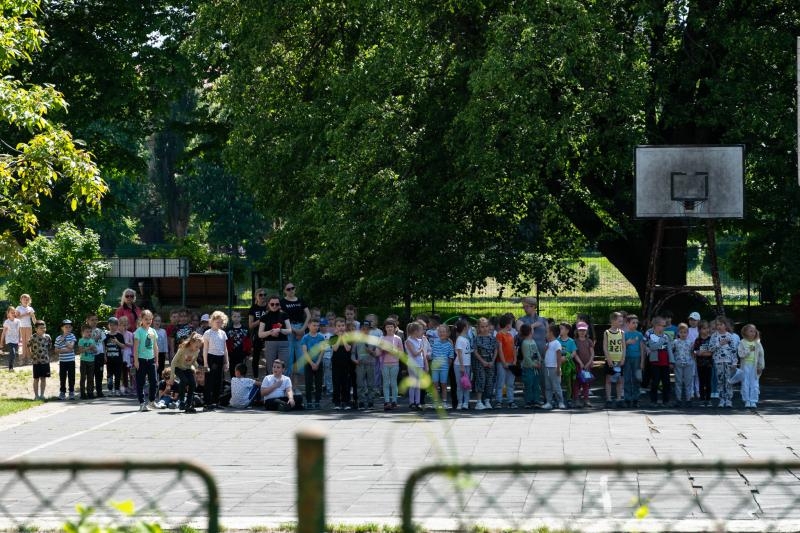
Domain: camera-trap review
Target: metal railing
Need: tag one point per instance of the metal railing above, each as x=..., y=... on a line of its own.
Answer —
x=47, y=495
x=668, y=496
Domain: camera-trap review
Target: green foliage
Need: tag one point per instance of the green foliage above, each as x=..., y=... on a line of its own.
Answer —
x=592, y=279
x=64, y=275
x=84, y=524
x=40, y=154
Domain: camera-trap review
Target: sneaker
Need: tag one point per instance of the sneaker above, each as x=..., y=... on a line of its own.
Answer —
x=62, y=396
x=143, y=407
x=152, y=405
x=487, y=404
x=337, y=407
x=562, y=406
x=588, y=404
x=479, y=406
x=387, y=407
x=161, y=405
x=547, y=406
x=173, y=405
x=512, y=405
x=347, y=407
x=71, y=395
x=394, y=405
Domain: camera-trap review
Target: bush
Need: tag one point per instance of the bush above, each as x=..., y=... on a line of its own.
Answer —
x=64, y=275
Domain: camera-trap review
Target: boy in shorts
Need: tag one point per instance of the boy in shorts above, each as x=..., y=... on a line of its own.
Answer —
x=39, y=347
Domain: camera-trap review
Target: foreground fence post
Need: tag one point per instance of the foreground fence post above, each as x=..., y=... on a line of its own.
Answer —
x=310, y=480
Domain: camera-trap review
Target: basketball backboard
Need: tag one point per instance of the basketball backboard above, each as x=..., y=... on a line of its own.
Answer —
x=689, y=181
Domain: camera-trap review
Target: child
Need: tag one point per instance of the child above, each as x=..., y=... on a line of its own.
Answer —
x=442, y=352
x=485, y=356
x=614, y=347
x=182, y=331
x=184, y=367
x=39, y=347
x=26, y=316
x=128, y=372
x=684, y=367
x=390, y=364
x=87, y=350
x=313, y=347
x=568, y=368
x=724, y=354
x=166, y=395
x=145, y=350
x=98, y=336
x=506, y=357
x=244, y=391
x=531, y=362
x=702, y=354
x=340, y=366
x=10, y=337
x=661, y=357
x=584, y=360
x=416, y=363
x=364, y=361
x=239, y=343
x=114, y=344
x=552, y=369
x=751, y=359
x=634, y=362
x=65, y=348
x=463, y=362
x=163, y=344
x=326, y=327
x=215, y=358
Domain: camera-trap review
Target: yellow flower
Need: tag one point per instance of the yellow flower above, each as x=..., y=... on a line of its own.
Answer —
x=125, y=507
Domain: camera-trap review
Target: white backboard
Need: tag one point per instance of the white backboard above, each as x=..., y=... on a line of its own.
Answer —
x=689, y=181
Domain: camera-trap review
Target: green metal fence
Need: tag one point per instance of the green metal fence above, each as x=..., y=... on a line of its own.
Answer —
x=669, y=496
x=44, y=496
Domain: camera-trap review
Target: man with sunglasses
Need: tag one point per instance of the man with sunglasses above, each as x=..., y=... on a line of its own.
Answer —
x=299, y=315
x=254, y=314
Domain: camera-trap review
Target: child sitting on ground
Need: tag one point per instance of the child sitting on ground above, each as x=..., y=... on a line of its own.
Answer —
x=167, y=392
x=244, y=391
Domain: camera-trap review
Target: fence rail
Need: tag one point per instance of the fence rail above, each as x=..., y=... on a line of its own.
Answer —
x=45, y=495
x=669, y=496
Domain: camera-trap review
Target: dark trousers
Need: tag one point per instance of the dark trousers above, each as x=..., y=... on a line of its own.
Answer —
x=186, y=382
x=99, y=364
x=704, y=378
x=314, y=383
x=352, y=381
x=235, y=357
x=115, y=372
x=66, y=371
x=214, y=377
x=258, y=348
x=87, y=378
x=274, y=404
x=162, y=362
x=659, y=374
x=146, y=370
x=341, y=381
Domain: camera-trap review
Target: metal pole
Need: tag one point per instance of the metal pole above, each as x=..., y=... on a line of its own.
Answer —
x=310, y=480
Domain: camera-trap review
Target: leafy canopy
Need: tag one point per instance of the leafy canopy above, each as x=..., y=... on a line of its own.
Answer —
x=37, y=154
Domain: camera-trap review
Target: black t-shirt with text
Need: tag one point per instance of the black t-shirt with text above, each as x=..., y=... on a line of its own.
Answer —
x=272, y=320
x=113, y=349
x=296, y=310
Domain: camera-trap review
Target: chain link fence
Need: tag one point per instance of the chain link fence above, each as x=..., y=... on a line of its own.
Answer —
x=45, y=496
x=691, y=496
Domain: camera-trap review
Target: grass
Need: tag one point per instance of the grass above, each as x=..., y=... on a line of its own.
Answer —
x=15, y=405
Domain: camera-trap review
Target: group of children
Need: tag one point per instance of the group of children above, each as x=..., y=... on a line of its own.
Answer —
x=357, y=364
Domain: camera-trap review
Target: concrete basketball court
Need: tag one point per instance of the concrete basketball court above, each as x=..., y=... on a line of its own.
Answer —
x=369, y=455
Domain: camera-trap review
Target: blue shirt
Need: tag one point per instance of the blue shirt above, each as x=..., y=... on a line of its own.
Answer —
x=61, y=342
x=442, y=350
x=633, y=350
x=309, y=341
x=568, y=346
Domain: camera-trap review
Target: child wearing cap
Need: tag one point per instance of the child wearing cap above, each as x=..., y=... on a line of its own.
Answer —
x=114, y=344
x=65, y=348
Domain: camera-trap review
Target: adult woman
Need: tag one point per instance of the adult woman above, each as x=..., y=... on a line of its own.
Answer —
x=254, y=314
x=299, y=315
x=273, y=328
x=128, y=308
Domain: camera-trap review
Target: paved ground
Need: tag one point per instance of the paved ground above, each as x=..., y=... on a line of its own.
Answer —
x=370, y=455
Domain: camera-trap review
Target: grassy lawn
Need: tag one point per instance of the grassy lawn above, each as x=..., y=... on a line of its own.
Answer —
x=11, y=406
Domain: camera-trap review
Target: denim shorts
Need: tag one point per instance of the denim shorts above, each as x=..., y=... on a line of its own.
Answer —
x=439, y=372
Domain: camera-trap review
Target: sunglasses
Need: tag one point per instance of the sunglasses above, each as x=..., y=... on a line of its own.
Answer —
x=274, y=305
x=130, y=296
x=289, y=288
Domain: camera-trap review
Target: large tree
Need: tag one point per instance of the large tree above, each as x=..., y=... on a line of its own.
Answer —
x=39, y=157
x=407, y=149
